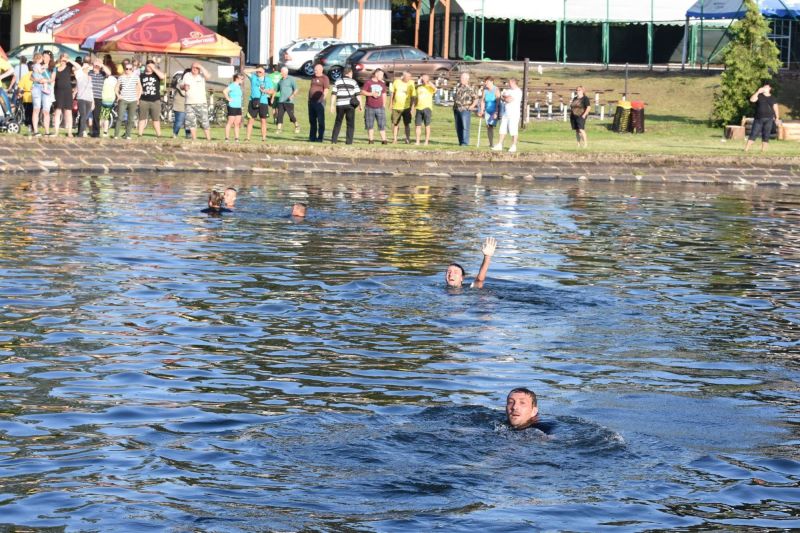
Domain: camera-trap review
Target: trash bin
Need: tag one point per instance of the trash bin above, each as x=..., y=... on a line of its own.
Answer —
x=622, y=117
x=637, y=117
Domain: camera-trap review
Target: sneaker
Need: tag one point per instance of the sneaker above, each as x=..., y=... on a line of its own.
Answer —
x=513, y=148
x=497, y=148
x=297, y=129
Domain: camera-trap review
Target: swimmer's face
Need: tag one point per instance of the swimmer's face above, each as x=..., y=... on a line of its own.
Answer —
x=453, y=276
x=520, y=410
x=229, y=198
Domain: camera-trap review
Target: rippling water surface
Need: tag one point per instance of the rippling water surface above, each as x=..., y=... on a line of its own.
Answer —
x=165, y=370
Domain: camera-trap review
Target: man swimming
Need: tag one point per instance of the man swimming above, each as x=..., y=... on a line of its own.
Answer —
x=455, y=272
x=522, y=408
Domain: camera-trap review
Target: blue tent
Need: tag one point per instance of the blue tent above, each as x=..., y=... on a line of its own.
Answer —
x=734, y=9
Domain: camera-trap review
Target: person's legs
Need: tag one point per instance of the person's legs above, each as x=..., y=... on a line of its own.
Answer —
x=380, y=116
x=583, y=140
x=407, y=124
x=131, y=110
x=459, y=126
x=191, y=120
x=98, y=105
x=263, y=114
x=264, y=129
x=292, y=118
x=178, y=121
x=766, y=132
x=490, y=135
x=29, y=115
x=279, y=116
x=312, y=122
x=204, y=120
x=369, y=124
x=755, y=132
x=143, y=116
x=68, y=121
x=396, y=116
x=120, y=110
x=237, y=125
x=85, y=109
x=228, y=126
x=465, y=122
x=350, y=116
x=57, y=120
x=321, y=118
x=418, y=125
x=337, y=124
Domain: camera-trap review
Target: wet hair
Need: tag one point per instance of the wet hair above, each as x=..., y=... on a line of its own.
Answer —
x=463, y=272
x=525, y=390
x=215, y=199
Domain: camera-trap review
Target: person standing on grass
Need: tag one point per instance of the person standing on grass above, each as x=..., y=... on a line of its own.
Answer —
x=767, y=113
x=275, y=77
x=129, y=90
x=84, y=96
x=375, y=111
x=62, y=88
x=287, y=90
x=464, y=103
x=42, y=93
x=233, y=94
x=179, y=104
x=424, y=115
x=490, y=109
x=317, y=94
x=344, y=102
x=578, y=111
x=194, y=83
x=261, y=91
x=97, y=75
x=512, y=111
x=403, y=93
x=24, y=87
x=150, y=104
x=107, y=101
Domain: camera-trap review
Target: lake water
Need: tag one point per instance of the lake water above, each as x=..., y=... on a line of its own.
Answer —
x=161, y=369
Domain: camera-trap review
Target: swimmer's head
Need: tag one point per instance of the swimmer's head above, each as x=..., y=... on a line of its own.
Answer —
x=229, y=197
x=215, y=200
x=299, y=210
x=454, y=275
x=521, y=408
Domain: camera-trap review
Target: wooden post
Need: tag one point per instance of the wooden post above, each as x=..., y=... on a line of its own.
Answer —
x=417, y=7
x=361, y=21
x=271, y=58
x=525, y=71
x=446, y=40
x=431, y=19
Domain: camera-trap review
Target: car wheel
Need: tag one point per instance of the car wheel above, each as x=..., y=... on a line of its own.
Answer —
x=335, y=73
x=13, y=127
x=307, y=68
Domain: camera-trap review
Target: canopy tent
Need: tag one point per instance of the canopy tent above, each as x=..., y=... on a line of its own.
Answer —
x=120, y=25
x=735, y=9
x=170, y=33
x=49, y=23
x=88, y=21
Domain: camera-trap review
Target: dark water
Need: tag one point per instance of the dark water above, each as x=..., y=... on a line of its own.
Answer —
x=163, y=370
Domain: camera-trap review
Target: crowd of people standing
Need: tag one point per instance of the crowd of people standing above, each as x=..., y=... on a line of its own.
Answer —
x=100, y=93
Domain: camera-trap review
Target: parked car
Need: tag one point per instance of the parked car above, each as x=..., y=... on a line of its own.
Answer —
x=29, y=49
x=298, y=55
x=395, y=59
x=333, y=57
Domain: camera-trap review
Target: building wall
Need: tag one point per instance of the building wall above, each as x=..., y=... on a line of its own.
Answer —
x=24, y=11
x=377, y=26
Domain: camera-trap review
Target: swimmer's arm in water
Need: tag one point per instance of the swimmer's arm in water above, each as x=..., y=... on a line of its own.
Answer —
x=487, y=248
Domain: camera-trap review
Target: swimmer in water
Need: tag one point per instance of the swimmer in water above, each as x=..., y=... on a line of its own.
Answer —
x=299, y=210
x=229, y=197
x=215, y=201
x=522, y=408
x=455, y=272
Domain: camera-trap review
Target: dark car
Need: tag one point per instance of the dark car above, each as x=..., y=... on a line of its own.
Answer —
x=333, y=57
x=394, y=60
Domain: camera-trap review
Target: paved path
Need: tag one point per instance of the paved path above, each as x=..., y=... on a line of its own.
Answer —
x=19, y=154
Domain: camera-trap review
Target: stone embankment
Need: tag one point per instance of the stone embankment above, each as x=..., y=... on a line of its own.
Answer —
x=22, y=155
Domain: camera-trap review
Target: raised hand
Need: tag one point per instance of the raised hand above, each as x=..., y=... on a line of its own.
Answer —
x=489, y=246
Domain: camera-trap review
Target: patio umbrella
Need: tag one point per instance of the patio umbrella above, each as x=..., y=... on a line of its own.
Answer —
x=120, y=25
x=85, y=23
x=54, y=20
x=170, y=33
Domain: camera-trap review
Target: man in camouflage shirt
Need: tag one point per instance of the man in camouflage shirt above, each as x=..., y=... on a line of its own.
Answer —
x=465, y=102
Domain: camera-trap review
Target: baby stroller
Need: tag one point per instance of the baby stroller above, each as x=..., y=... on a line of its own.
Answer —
x=8, y=122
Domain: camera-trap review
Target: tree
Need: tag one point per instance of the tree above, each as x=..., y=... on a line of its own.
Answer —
x=750, y=60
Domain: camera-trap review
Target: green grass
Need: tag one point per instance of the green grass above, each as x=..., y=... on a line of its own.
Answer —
x=187, y=8
x=677, y=114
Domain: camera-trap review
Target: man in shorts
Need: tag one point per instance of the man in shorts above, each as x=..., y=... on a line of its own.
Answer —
x=767, y=113
x=375, y=92
x=194, y=83
x=512, y=112
x=403, y=93
x=424, y=115
x=150, y=101
x=261, y=91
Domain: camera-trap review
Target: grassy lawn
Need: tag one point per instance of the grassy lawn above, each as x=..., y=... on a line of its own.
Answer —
x=677, y=114
x=187, y=8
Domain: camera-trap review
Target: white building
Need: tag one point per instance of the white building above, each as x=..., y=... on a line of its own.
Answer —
x=24, y=11
x=273, y=23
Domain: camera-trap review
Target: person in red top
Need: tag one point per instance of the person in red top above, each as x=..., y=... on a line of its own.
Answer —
x=375, y=91
x=317, y=96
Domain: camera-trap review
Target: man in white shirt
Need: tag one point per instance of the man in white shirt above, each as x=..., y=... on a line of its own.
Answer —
x=194, y=83
x=512, y=112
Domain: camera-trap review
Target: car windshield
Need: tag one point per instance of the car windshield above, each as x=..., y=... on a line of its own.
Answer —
x=357, y=55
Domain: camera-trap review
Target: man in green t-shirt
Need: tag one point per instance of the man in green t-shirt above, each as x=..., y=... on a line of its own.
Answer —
x=275, y=77
x=403, y=92
x=287, y=90
x=425, y=92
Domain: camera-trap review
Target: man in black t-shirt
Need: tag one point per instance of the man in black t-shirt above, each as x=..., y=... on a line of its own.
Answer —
x=766, y=114
x=578, y=111
x=150, y=101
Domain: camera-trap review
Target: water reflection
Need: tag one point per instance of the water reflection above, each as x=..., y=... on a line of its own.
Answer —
x=251, y=372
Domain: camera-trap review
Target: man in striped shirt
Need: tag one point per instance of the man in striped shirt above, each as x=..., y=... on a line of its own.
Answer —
x=97, y=75
x=129, y=90
x=345, y=93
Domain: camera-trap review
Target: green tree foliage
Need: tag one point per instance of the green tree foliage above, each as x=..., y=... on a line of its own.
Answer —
x=751, y=59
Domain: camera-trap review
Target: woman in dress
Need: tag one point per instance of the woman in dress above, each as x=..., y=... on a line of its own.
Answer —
x=63, y=93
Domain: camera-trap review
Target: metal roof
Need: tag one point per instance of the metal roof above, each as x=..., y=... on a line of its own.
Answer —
x=734, y=9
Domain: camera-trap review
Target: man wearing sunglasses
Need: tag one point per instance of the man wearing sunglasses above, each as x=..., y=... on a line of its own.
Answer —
x=129, y=90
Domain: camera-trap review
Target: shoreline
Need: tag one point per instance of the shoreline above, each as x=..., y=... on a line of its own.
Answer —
x=23, y=155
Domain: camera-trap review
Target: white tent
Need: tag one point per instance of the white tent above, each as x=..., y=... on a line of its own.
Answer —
x=620, y=11
x=734, y=9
